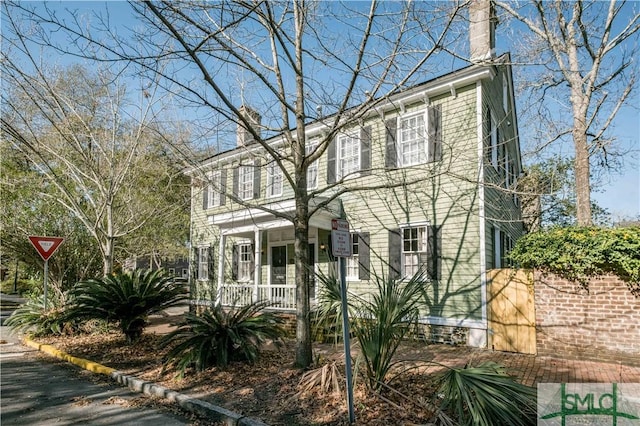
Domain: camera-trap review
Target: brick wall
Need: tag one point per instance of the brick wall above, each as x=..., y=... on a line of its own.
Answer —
x=602, y=323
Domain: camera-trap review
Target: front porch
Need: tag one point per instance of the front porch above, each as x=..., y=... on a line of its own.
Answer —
x=262, y=255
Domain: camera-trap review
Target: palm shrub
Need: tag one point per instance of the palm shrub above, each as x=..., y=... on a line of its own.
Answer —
x=55, y=320
x=328, y=311
x=218, y=336
x=127, y=299
x=383, y=321
x=486, y=396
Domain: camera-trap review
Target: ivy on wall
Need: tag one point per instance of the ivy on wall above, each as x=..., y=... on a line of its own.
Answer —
x=579, y=253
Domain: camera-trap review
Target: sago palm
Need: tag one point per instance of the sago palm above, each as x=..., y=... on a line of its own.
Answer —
x=219, y=335
x=127, y=299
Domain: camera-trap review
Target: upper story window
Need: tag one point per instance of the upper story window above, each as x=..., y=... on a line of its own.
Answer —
x=214, y=189
x=246, y=181
x=414, y=139
x=213, y=195
x=274, y=180
x=312, y=170
x=505, y=93
x=348, y=155
x=494, y=139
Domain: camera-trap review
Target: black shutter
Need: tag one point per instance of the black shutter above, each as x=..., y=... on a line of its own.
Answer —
x=363, y=255
x=395, y=254
x=331, y=162
x=391, y=157
x=234, y=262
x=223, y=187
x=365, y=151
x=256, y=179
x=211, y=266
x=205, y=195
x=195, y=269
x=434, y=151
x=253, y=258
x=434, y=255
x=487, y=137
x=236, y=178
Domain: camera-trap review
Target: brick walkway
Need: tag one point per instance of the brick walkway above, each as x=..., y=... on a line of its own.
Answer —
x=530, y=369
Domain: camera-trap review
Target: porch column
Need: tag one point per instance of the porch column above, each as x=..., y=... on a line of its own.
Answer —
x=223, y=240
x=257, y=273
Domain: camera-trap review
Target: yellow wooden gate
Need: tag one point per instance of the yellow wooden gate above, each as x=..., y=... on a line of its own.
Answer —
x=511, y=310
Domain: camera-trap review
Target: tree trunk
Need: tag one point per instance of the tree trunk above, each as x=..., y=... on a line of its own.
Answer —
x=581, y=165
x=304, y=354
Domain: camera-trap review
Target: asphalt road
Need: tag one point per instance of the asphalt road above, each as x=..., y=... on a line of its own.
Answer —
x=39, y=390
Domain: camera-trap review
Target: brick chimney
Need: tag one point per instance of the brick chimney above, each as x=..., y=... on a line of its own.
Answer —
x=244, y=136
x=482, y=30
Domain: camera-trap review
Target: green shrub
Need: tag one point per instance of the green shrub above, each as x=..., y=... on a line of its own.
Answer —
x=578, y=253
x=327, y=313
x=127, y=299
x=486, y=396
x=383, y=321
x=24, y=286
x=33, y=318
x=219, y=336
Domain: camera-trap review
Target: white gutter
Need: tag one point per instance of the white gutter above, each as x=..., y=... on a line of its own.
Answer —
x=481, y=205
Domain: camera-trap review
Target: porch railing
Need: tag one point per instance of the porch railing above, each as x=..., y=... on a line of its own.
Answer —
x=282, y=297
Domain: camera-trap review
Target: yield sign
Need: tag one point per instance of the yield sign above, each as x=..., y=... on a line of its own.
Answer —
x=46, y=246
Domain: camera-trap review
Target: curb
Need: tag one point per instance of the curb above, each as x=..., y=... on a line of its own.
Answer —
x=193, y=405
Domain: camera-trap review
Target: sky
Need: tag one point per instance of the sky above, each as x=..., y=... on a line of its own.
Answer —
x=619, y=192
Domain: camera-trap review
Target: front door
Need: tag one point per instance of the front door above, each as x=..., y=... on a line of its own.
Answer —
x=279, y=265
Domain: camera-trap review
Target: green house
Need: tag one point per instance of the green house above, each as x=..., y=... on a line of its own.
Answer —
x=425, y=179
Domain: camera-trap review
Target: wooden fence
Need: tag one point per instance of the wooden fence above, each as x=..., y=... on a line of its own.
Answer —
x=511, y=311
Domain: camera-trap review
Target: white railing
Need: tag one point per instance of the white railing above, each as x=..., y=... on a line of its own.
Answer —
x=282, y=297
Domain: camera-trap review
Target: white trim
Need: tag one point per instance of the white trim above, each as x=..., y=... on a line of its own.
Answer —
x=425, y=136
x=274, y=171
x=481, y=206
x=245, y=170
x=453, y=322
x=354, y=138
x=418, y=94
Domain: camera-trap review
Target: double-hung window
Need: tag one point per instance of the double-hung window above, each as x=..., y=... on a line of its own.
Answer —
x=412, y=144
x=214, y=189
x=353, y=262
x=203, y=263
x=245, y=262
x=414, y=249
x=274, y=180
x=348, y=155
x=245, y=182
x=312, y=170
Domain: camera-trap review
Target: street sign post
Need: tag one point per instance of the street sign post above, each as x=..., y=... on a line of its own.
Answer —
x=45, y=246
x=341, y=248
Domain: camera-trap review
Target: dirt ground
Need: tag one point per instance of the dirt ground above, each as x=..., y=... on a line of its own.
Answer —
x=273, y=391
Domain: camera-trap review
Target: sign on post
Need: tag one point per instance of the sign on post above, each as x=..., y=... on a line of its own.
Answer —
x=340, y=238
x=46, y=246
x=341, y=248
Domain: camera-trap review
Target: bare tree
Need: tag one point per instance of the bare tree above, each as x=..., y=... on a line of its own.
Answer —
x=582, y=52
x=294, y=63
x=97, y=150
